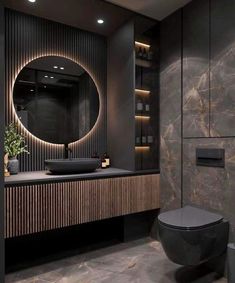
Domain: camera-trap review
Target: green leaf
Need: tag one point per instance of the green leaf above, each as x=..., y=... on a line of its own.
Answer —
x=14, y=142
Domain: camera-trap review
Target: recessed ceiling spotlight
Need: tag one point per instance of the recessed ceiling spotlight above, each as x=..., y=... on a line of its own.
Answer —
x=32, y=1
x=62, y=68
x=55, y=67
x=100, y=21
x=31, y=90
x=52, y=77
x=46, y=76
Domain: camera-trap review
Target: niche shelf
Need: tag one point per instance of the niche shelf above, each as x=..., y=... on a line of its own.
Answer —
x=135, y=85
x=141, y=44
x=146, y=98
x=142, y=148
x=142, y=117
x=142, y=91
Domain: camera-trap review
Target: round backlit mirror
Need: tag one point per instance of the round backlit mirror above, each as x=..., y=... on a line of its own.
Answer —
x=56, y=100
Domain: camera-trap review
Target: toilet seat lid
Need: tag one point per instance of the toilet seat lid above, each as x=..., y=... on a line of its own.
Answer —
x=189, y=218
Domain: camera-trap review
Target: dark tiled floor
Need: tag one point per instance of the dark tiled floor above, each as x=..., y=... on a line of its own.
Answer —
x=141, y=261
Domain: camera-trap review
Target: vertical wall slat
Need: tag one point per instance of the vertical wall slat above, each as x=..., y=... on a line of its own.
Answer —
x=29, y=37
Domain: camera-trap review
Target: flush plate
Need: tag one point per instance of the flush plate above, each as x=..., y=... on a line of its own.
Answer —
x=210, y=157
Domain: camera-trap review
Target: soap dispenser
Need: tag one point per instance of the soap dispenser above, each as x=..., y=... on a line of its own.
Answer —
x=107, y=159
x=103, y=163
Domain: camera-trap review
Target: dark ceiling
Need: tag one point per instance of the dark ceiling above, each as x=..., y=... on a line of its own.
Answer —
x=155, y=9
x=82, y=14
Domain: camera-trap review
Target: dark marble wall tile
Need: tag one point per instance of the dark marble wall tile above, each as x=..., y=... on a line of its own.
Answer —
x=196, y=69
x=208, y=187
x=208, y=66
x=222, y=68
x=170, y=111
x=170, y=174
x=170, y=104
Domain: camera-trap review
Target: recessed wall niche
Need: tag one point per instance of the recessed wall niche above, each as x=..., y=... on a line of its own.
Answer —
x=34, y=37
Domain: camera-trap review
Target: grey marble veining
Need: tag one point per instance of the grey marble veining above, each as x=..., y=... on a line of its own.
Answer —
x=141, y=261
x=170, y=138
x=195, y=76
x=195, y=97
x=222, y=93
x=170, y=112
x=222, y=68
x=208, y=187
x=208, y=103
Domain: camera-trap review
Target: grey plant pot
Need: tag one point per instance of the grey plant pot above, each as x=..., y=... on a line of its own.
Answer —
x=13, y=166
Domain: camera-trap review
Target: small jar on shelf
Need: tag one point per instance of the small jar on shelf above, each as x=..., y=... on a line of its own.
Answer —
x=139, y=106
x=137, y=141
x=145, y=54
x=139, y=53
x=144, y=140
x=150, y=136
x=150, y=139
x=147, y=107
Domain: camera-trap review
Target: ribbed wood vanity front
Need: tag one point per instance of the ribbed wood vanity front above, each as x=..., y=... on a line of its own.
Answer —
x=33, y=208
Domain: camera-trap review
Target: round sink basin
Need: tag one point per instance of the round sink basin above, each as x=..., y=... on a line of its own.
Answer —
x=72, y=166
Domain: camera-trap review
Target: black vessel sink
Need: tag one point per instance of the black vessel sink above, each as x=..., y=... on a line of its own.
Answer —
x=72, y=166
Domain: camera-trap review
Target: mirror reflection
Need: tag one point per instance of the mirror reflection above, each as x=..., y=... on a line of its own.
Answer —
x=56, y=100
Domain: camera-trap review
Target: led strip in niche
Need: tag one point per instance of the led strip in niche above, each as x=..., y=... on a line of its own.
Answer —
x=142, y=147
x=142, y=91
x=142, y=117
x=29, y=134
x=138, y=43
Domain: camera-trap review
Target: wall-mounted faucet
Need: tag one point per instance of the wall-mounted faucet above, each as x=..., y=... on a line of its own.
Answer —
x=67, y=150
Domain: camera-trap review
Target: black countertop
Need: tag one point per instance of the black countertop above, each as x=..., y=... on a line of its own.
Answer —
x=45, y=176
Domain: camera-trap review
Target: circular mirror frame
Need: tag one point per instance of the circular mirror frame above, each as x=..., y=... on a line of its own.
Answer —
x=18, y=120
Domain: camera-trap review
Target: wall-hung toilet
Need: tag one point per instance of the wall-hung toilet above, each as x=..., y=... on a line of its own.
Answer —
x=191, y=236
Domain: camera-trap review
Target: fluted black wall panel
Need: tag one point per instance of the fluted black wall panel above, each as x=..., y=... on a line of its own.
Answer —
x=2, y=61
x=29, y=37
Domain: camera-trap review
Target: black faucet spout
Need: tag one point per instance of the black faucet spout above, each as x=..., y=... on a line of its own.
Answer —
x=66, y=151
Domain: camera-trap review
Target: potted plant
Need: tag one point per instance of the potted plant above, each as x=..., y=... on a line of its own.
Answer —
x=14, y=144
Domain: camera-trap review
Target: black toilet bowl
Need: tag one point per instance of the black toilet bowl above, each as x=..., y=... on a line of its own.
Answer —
x=191, y=236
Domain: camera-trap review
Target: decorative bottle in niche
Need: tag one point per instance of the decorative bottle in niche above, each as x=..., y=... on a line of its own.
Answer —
x=137, y=141
x=147, y=107
x=139, y=106
x=150, y=137
x=144, y=138
x=138, y=135
x=143, y=135
x=145, y=55
x=140, y=53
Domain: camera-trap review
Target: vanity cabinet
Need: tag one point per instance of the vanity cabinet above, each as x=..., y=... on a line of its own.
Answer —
x=43, y=206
